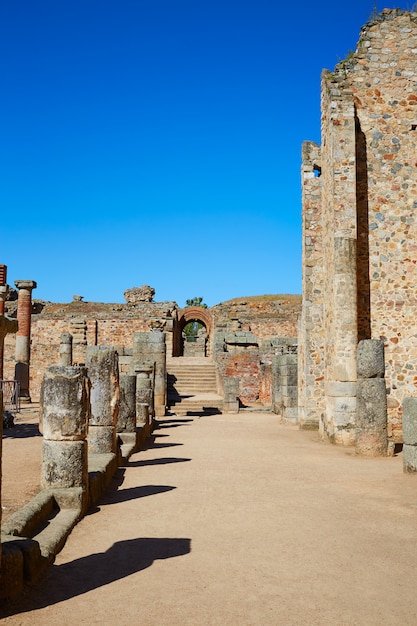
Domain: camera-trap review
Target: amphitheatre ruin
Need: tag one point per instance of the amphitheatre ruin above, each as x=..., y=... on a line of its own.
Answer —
x=338, y=363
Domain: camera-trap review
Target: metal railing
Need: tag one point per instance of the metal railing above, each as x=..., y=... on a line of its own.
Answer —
x=11, y=395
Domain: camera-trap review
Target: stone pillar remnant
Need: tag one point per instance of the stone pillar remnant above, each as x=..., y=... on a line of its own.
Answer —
x=231, y=394
x=24, y=313
x=144, y=391
x=284, y=386
x=149, y=350
x=6, y=326
x=65, y=349
x=126, y=421
x=371, y=399
x=64, y=412
x=103, y=371
x=410, y=435
x=341, y=381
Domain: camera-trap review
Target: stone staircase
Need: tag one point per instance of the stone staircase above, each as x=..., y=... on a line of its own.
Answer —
x=192, y=386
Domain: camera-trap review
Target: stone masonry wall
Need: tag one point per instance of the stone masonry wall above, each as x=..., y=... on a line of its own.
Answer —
x=369, y=203
x=311, y=343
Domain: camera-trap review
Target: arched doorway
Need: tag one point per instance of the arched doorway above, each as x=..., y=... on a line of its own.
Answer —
x=193, y=332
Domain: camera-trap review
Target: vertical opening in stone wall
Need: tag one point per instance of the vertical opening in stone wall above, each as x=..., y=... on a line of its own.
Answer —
x=362, y=247
x=317, y=171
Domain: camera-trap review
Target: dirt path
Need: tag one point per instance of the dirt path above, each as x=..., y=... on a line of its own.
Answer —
x=236, y=520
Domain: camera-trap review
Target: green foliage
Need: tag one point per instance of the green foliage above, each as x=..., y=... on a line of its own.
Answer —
x=191, y=330
x=196, y=302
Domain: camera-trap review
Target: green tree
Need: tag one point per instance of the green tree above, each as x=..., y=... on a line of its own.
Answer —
x=196, y=302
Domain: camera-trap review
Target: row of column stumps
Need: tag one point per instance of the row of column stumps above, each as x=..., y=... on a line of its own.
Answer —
x=82, y=410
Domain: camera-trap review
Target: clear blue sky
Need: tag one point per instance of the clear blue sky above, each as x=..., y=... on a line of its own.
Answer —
x=158, y=141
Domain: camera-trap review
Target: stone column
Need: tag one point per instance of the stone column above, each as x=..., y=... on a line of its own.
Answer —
x=371, y=399
x=410, y=435
x=65, y=349
x=149, y=350
x=342, y=346
x=231, y=394
x=126, y=421
x=103, y=371
x=64, y=412
x=144, y=391
x=24, y=313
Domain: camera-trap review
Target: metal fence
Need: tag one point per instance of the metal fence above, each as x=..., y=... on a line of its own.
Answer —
x=11, y=393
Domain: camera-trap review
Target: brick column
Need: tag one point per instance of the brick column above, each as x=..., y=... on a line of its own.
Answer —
x=24, y=312
x=4, y=290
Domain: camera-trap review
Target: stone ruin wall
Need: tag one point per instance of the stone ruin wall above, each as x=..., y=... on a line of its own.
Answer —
x=263, y=325
x=89, y=328
x=368, y=202
x=93, y=324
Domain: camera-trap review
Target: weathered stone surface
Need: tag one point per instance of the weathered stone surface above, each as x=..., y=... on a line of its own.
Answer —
x=64, y=403
x=65, y=349
x=371, y=433
x=370, y=358
x=103, y=372
x=409, y=458
x=127, y=411
x=101, y=439
x=64, y=464
x=142, y=412
x=139, y=294
x=410, y=421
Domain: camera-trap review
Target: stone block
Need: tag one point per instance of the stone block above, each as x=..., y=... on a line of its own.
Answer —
x=370, y=359
x=64, y=464
x=410, y=421
x=103, y=371
x=409, y=459
x=142, y=413
x=126, y=420
x=371, y=403
x=342, y=389
x=101, y=439
x=64, y=403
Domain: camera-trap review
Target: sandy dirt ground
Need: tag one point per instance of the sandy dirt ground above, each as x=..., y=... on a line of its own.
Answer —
x=238, y=520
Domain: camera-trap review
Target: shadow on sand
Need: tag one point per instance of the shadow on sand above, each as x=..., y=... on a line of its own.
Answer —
x=80, y=576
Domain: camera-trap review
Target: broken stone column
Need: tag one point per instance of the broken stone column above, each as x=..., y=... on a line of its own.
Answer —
x=144, y=392
x=103, y=372
x=126, y=421
x=371, y=399
x=284, y=386
x=149, y=351
x=410, y=435
x=4, y=288
x=142, y=414
x=231, y=394
x=65, y=349
x=24, y=315
x=64, y=412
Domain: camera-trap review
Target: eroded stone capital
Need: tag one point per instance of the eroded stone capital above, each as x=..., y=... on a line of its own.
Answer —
x=26, y=284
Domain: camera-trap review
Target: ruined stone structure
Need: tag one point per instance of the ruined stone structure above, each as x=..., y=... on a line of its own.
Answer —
x=240, y=337
x=360, y=229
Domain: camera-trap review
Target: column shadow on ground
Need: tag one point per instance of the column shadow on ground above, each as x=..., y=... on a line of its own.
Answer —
x=132, y=493
x=162, y=461
x=96, y=570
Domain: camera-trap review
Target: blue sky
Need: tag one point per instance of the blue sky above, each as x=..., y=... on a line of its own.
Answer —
x=158, y=142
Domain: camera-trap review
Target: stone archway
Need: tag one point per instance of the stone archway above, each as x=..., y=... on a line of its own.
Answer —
x=193, y=314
